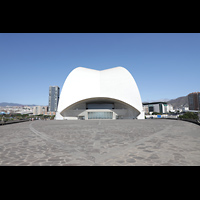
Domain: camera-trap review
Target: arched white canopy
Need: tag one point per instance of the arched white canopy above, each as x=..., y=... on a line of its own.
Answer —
x=115, y=83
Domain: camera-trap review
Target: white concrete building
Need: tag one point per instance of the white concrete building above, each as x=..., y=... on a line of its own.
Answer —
x=159, y=107
x=106, y=94
x=185, y=109
x=40, y=110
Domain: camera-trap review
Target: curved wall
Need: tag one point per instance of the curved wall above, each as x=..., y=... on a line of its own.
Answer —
x=115, y=83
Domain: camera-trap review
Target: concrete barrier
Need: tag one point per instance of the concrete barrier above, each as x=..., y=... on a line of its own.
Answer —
x=195, y=121
x=12, y=122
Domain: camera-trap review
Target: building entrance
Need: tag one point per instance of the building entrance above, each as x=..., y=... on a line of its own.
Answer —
x=100, y=115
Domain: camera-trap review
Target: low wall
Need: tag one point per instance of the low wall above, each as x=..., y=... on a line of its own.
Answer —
x=195, y=121
x=12, y=122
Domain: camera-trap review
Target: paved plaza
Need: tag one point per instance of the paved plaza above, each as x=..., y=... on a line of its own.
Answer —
x=100, y=143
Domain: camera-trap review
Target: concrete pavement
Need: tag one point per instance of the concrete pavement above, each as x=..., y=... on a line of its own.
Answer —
x=100, y=142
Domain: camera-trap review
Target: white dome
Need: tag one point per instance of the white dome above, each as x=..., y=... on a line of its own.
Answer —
x=83, y=84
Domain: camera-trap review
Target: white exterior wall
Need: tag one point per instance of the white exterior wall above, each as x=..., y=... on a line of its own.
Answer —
x=37, y=110
x=170, y=107
x=115, y=83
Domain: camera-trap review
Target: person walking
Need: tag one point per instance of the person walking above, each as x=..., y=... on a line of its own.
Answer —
x=2, y=121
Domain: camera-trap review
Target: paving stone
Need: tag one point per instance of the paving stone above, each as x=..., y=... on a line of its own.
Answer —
x=154, y=156
x=120, y=161
x=100, y=142
x=131, y=160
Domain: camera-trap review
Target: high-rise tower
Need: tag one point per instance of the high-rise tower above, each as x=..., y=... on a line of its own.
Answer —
x=54, y=92
x=194, y=101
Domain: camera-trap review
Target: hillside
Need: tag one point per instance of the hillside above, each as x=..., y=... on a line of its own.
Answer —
x=176, y=103
x=179, y=102
x=3, y=104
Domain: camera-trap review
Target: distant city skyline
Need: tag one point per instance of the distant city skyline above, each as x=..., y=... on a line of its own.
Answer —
x=164, y=65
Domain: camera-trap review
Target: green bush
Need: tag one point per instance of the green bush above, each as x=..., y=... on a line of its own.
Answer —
x=52, y=117
x=156, y=113
x=189, y=115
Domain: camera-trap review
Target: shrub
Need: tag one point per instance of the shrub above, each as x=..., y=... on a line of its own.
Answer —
x=189, y=115
x=156, y=113
x=52, y=117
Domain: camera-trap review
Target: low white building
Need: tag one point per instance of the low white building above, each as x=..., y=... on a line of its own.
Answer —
x=159, y=107
x=185, y=109
x=40, y=110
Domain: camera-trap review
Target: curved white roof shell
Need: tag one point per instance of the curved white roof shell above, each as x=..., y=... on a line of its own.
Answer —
x=115, y=83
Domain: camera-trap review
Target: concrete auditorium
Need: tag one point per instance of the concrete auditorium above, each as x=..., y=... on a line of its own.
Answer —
x=92, y=94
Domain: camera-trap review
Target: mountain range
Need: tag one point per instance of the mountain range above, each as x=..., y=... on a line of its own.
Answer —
x=4, y=104
x=176, y=103
x=179, y=102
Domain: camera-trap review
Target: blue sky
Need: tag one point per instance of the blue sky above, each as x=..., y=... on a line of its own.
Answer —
x=164, y=65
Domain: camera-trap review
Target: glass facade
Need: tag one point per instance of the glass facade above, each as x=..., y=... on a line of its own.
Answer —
x=199, y=100
x=151, y=109
x=160, y=108
x=100, y=115
x=100, y=105
x=54, y=92
x=193, y=101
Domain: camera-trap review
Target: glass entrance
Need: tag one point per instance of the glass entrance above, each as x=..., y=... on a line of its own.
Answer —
x=100, y=115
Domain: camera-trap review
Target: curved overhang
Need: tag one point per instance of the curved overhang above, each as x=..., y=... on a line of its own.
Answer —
x=98, y=99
